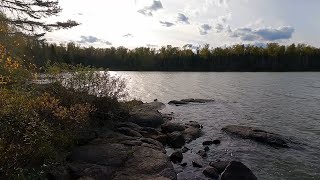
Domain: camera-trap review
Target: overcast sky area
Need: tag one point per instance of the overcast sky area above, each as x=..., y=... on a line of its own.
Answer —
x=154, y=23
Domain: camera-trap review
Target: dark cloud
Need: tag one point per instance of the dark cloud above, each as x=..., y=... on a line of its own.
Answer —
x=148, y=10
x=204, y=29
x=219, y=27
x=263, y=34
x=166, y=23
x=190, y=46
x=91, y=40
x=129, y=35
x=182, y=19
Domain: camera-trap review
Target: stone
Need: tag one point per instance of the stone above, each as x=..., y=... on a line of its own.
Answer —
x=170, y=127
x=184, y=149
x=237, y=171
x=219, y=165
x=176, y=157
x=197, y=100
x=202, y=153
x=196, y=164
x=194, y=124
x=176, y=140
x=216, y=141
x=191, y=133
x=129, y=132
x=206, y=149
x=184, y=164
x=257, y=135
x=175, y=102
x=211, y=172
x=146, y=118
x=207, y=143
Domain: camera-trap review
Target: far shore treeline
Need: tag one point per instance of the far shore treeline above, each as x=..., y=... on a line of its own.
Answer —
x=272, y=57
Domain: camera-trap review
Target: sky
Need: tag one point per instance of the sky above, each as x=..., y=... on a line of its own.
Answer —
x=156, y=23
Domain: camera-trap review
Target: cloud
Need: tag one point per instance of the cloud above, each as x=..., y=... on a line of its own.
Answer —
x=182, y=19
x=167, y=24
x=191, y=46
x=151, y=45
x=219, y=27
x=204, y=29
x=263, y=34
x=148, y=10
x=129, y=35
x=92, y=39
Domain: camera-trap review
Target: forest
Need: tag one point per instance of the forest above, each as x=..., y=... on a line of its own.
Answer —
x=272, y=57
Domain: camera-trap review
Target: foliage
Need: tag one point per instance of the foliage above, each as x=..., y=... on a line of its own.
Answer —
x=28, y=15
x=272, y=57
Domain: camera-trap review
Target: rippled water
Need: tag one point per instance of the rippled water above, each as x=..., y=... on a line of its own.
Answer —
x=284, y=103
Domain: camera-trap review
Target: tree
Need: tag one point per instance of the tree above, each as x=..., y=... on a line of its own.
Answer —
x=28, y=15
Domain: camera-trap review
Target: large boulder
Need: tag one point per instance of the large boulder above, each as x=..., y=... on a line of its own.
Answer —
x=170, y=127
x=257, y=135
x=220, y=166
x=211, y=172
x=191, y=133
x=237, y=171
x=146, y=118
x=129, y=132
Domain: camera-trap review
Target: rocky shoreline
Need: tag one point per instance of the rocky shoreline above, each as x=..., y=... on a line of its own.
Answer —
x=135, y=149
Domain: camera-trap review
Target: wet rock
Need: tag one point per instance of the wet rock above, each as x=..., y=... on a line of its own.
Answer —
x=211, y=172
x=202, y=153
x=162, y=138
x=207, y=143
x=197, y=100
x=170, y=127
x=184, y=164
x=175, y=102
x=216, y=141
x=257, y=135
x=219, y=165
x=193, y=124
x=237, y=171
x=184, y=149
x=206, y=149
x=129, y=132
x=176, y=157
x=191, y=133
x=196, y=164
x=176, y=140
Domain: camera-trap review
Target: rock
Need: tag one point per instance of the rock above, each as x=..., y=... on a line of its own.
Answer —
x=146, y=118
x=202, y=153
x=219, y=165
x=194, y=124
x=161, y=138
x=176, y=157
x=94, y=171
x=206, y=148
x=58, y=173
x=257, y=135
x=146, y=163
x=184, y=149
x=129, y=132
x=197, y=100
x=184, y=164
x=211, y=172
x=170, y=127
x=207, y=143
x=216, y=141
x=175, y=102
x=237, y=171
x=129, y=125
x=196, y=164
x=191, y=133
x=176, y=140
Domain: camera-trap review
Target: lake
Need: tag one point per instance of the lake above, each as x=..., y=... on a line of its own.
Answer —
x=283, y=103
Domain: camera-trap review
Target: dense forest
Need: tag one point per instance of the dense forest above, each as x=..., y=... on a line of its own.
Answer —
x=272, y=57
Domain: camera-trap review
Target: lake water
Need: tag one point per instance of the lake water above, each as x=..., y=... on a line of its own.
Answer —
x=283, y=103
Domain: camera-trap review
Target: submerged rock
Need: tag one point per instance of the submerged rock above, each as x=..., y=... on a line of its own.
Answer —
x=196, y=164
x=257, y=135
x=184, y=149
x=197, y=100
x=211, y=172
x=206, y=148
x=175, y=102
x=202, y=153
x=237, y=171
x=176, y=157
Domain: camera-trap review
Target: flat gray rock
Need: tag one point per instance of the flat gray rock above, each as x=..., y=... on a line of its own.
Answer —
x=257, y=135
